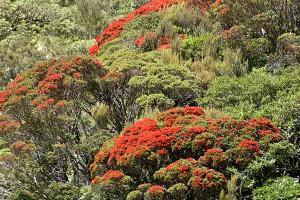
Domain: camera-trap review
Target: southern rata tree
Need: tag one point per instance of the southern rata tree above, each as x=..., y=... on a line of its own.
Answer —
x=182, y=154
x=46, y=126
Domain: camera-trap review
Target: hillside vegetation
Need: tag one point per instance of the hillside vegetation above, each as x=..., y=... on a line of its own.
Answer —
x=174, y=99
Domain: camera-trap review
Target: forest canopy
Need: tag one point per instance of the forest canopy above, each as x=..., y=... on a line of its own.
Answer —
x=173, y=99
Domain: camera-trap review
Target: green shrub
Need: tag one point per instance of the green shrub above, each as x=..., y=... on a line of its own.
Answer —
x=178, y=191
x=21, y=195
x=62, y=191
x=284, y=188
x=192, y=47
x=257, y=94
x=135, y=195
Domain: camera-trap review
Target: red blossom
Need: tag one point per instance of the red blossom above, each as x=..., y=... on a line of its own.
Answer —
x=263, y=124
x=6, y=124
x=162, y=151
x=156, y=188
x=164, y=46
x=77, y=75
x=139, y=42
x=204, y=179
x=246, y=151
x=250, y=145
x=145, y=137
x=214, y=158
x=113, y=76
x=112, y=174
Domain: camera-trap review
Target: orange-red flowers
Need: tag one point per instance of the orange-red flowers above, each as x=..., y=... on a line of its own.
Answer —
x=46, y=83
x=116, y=28
x=112, y=174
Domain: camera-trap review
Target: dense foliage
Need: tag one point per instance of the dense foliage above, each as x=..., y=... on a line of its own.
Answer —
x=186, y=99
x=181, y=146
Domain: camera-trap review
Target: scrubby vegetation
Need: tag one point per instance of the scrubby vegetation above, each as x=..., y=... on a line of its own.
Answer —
x=175, y=99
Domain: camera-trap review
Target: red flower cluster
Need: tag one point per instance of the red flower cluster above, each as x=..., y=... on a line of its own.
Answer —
x=94, y=49
x=181, y=116
x=162, y=151
x=139, y=42
x=177, y=172
x=203, y=142
x=14, y=92
x=155, y=192
x=180, y=130
x=156, y=188
x=164, y=42
x=95, y=181
x=207, y=179
x=205, y=5
x=6, y=125
x=46, y=83
x=49, y=83
x=250, y=145
x=263, y=124
x=141, y=126
x=115, y=29
x=129, y=148
x=113, y=76
x=215, y=158
x=246, y=151
x=21, y=146
x=103, y=154
x=112, y=174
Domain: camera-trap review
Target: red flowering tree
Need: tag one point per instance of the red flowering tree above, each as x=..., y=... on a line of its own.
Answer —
x=115, y=29
x=183, y=146
x=44, y=121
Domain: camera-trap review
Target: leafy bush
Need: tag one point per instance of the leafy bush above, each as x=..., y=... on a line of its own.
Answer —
x=21, y=195
x=192, y=47
x=281, y=158
x=62, y=191
x=280, y=188
x=257, y=94
x=135, y=195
